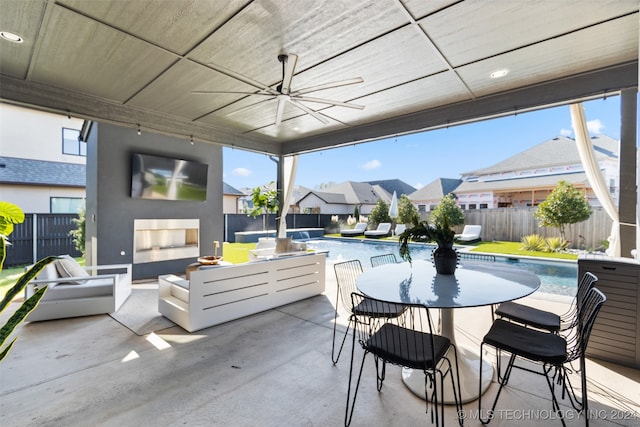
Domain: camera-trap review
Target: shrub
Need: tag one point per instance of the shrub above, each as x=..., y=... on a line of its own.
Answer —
x=533, y=242
x=556, y=244
x=380, y=213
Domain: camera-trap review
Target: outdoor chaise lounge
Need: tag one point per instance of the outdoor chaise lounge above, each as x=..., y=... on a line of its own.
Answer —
x=470, y=234
x=358, y=230
x=400, y=228
x=383, y=230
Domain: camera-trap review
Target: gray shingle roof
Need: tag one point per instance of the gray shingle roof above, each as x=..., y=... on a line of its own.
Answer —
x=40, y=172
x=553, y=152
x=229, y=190
x=436, y=189
x=391, y=185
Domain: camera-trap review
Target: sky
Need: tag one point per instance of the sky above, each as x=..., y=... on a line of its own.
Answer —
x=421, y=158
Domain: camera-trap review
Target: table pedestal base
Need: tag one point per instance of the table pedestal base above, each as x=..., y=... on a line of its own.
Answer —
x=469, y=364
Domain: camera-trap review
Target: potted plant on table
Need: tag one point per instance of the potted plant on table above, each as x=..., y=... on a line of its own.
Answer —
x=445, y=215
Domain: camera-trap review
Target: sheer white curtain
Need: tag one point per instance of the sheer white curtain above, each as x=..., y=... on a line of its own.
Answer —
x=596, y=180
x=290, y=166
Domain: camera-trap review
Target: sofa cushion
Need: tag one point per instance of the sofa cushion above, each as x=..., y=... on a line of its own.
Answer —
x=49, y=272
x=91, y=289
x=68, y=267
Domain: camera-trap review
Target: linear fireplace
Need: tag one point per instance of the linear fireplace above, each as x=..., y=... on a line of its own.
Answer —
x=165, y=239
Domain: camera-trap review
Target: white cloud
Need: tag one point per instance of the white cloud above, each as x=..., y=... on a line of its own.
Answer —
x=241, y=172
x=566, y=132
x=372, y=164
x=418, y=186
x=595, y=126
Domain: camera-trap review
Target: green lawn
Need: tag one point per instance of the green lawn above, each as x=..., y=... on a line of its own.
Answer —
x=513, y=248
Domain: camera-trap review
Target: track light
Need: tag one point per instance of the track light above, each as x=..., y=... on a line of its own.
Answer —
x=139, y=131
x=191, y=139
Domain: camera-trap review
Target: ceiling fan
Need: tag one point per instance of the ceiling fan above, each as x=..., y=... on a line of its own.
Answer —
x=283, y=91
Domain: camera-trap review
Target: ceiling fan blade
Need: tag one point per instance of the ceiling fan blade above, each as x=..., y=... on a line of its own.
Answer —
x=243, y=78
x=329, y=102
x=309, y=111
x=248, y=107
x=328, y=86
x=208, y=92
x=289, y=69
x=280, y=110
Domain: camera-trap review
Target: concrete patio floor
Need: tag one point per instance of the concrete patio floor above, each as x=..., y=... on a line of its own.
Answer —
x=269, y=369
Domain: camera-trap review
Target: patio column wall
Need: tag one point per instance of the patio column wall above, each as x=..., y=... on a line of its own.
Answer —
x=111, y=211
x=628, y=202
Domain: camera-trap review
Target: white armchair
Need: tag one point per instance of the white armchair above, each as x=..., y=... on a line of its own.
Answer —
x=79, y=291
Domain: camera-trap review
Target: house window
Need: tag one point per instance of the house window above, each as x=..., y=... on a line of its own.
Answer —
x=472, y=206
x=612, y=186
x=422, y=208
x=483, y=206
x=66, y=204
x=71, y=143
x=463, y=207
x=432, y=207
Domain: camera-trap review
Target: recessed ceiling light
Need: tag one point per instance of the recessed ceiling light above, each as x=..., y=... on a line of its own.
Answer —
x=11, y=37
x=499, y=73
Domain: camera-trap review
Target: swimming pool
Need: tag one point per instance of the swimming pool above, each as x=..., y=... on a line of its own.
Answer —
x=556, y=277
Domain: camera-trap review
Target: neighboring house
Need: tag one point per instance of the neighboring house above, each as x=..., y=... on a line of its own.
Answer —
x=231, y=199
x=527, y=178
x=344, y=197
x=43, y=163
x=428, y=197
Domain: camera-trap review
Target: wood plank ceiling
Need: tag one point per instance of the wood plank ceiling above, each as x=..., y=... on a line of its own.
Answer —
x=424, y=64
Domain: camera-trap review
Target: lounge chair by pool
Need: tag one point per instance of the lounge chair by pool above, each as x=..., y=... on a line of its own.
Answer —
x=358, y=230
x=470, y=234
x=383, y=230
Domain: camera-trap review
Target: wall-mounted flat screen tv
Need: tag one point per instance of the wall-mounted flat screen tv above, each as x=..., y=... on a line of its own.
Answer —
x=164, y=178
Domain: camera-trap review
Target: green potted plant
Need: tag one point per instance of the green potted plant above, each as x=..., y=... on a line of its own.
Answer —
x=446, y=214
x=445, y=258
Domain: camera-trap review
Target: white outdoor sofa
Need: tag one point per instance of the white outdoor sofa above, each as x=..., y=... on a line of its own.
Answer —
x=358, y=230
x=215, y=295
x=82, y=292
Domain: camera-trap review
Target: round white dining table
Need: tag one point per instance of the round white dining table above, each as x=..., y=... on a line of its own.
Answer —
x=474, y=284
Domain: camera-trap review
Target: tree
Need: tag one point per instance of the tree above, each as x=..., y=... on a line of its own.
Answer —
x=380, y=213
x=79, y=233
x=265, y=200
x=564, y=206
x=407, y=212
x=447, y=212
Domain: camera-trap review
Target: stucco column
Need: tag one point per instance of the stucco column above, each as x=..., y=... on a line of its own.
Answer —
x=628, y=201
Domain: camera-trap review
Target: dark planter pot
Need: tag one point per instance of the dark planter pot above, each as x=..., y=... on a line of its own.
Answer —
x=445, y=259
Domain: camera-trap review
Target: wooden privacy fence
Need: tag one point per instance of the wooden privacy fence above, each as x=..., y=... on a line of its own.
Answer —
x=52, y=237
x=511, y=224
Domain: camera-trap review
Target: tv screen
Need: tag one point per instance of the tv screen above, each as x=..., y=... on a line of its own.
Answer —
x=164, y=178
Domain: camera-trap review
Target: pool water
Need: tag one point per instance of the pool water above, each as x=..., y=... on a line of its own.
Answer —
x=556, y=277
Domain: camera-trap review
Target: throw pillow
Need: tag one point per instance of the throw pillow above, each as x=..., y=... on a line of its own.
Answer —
x=68, y=267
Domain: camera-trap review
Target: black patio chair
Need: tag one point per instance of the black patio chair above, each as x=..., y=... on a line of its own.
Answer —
x=377, y=260
x=407, y=341
x=546, y=320
x=553, y=352
x=346, y=274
